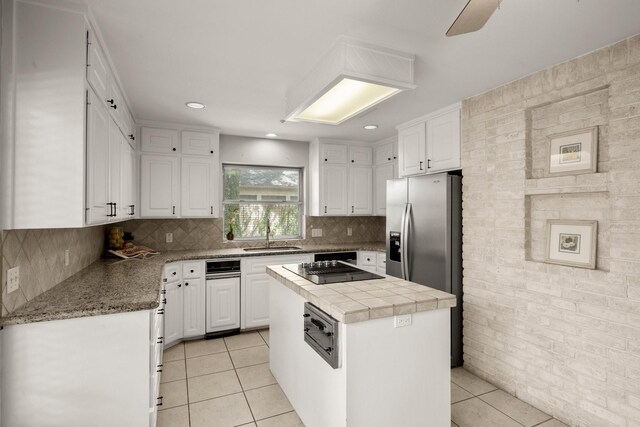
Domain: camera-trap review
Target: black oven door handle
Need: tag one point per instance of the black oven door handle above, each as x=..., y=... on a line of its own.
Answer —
x=318, y=324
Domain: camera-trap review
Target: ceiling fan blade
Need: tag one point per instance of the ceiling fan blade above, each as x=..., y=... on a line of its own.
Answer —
x=473, y=17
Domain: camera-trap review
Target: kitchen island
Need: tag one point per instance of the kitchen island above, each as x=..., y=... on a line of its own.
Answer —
x=387, y=374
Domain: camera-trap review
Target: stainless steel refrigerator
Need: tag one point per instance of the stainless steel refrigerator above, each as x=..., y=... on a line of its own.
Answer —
x=424, y=239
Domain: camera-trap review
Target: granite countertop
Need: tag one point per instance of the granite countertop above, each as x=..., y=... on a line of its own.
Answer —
x=352, y=302
x=113, y=285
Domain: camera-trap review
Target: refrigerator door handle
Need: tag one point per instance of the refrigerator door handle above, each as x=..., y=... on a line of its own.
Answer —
x=406, y=223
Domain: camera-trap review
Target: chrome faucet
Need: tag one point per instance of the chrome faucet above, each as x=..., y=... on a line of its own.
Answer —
x=268, y=232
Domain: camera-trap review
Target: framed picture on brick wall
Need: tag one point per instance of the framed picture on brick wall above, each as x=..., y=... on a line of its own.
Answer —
x=573, y=152
x=572, y=242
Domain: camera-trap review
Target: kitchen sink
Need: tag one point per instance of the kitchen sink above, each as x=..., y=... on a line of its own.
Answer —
x=275, y=248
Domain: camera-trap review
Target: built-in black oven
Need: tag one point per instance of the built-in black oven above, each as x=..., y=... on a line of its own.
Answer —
x=321, y=333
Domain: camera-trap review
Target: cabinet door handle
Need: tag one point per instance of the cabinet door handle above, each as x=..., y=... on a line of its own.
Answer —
x=353, y=161
x=191, y=271
x=325, y=209
x=428, y=163
x=164, y=300
x=173, y=210
x=115, y=107
x=421, y=163
x=133, y=209
x=186, y=284
x=352, y=209
x=394, y=157
x=161, y=311
x=131, y=137
x=211, y=151
x=179, y=285
x=110, y=101
x=115, y=209
x=325, y=160
x=174, y=273
x=388, y=158
x=163, y=292
x=159, y=398
x=211, y=210
x=174, y=148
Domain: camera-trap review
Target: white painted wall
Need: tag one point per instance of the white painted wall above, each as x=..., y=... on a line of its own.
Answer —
x=258, y=151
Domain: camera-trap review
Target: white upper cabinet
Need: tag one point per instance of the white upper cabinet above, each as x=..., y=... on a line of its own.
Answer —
x=340, y=178
x=383, y=173
x=385, y=153
x=200, y=143
x=60, y=136
x=115, y=191
x=335, y=194
x=127, y=173
x=159, y=195
x=386, y=168
x=97, y=68
x=431, y=143
x=334, y=154
x=360, y=156
x=412, y=150
x=198, y=187
x=360, y=190
x=159, y=140
x=191, y=185
x=443, y=142
x=97, y=161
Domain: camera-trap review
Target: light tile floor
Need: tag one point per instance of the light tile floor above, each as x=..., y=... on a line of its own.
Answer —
x=226, y=382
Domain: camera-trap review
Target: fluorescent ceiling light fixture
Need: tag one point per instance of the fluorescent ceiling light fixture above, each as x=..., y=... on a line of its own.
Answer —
x=351, y=78
x=194, y=104
x=271, y=135
x=370, y=127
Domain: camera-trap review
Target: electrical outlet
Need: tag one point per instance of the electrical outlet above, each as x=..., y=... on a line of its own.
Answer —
x=349, y=231
x=401, y=321
x=316, y=232
x=169, y=237
x=13, y=279
x=66, y=257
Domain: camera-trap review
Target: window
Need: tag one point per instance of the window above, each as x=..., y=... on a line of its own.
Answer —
x=254, y=196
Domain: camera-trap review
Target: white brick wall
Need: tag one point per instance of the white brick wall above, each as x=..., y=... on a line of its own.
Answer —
x=567, y=340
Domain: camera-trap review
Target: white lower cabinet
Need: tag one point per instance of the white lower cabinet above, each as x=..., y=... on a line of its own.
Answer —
x=382, y=263
x=99, y=371
x=194, y=304
x=223, y=304
x=256, y=301
x=367, y=260
x=255, y=287
x=185, y=301
x=174, y=318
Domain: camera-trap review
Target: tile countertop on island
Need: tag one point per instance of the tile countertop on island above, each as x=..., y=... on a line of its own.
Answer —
x=113, y=285
x=359, y=301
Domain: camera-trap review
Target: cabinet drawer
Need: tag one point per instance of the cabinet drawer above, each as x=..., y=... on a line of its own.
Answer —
x=191, y=270
x=368, y=259
x=172, y=272
x=259, y=264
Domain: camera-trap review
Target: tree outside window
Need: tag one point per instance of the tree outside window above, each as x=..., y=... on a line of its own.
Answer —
x=255, y=196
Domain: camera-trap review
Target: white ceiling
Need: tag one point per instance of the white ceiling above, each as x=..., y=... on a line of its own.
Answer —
x=240, y=56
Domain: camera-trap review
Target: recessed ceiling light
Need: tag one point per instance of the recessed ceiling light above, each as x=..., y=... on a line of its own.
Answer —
x=370, y=127
x=271, y=135
x=194, y=104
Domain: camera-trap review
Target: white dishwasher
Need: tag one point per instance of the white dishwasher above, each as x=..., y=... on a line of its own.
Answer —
x=223, y=296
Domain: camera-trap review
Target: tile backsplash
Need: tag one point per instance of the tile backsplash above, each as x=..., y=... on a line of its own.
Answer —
x=40, y=256
x=202, y=234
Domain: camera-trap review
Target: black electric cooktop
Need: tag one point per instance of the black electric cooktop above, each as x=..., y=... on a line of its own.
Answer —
x=324, y=272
